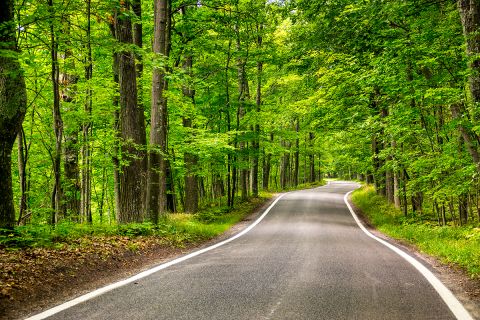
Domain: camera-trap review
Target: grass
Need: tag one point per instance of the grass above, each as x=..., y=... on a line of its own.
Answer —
x=452, y=244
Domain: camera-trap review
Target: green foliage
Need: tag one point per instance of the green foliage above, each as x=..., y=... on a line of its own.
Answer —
x=456, y=245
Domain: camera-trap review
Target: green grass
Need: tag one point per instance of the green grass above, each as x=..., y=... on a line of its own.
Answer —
x=453, y=245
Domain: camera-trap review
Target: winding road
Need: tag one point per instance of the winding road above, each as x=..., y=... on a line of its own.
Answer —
x=307, y=259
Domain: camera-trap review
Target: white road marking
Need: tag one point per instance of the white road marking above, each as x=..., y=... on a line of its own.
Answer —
x=451, y=301
x=146, y=273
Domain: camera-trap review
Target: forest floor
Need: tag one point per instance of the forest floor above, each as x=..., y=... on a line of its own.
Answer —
x=35, y=279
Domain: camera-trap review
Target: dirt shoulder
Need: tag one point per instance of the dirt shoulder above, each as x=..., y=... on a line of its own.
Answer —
x=466, y=290
x=33, y=280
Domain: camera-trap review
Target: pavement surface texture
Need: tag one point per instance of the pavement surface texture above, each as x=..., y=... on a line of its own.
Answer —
x=307, y=259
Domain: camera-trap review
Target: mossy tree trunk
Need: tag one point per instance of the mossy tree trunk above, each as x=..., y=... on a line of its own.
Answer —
x=13, y=98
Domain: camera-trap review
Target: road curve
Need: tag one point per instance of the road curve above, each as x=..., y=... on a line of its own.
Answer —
x=307, y=259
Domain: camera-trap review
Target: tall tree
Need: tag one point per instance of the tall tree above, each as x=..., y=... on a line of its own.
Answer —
x=157, y=162
x=132, y=133
x=258, y=104
x=190, y=159
x=67, y=81
x=13, y=100
x=86, y=170
x=58, y=126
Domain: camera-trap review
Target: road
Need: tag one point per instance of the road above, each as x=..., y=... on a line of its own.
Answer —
x=307, y=259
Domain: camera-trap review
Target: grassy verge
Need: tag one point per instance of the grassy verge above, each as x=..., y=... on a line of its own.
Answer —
x=174, y=229
x=453, y=245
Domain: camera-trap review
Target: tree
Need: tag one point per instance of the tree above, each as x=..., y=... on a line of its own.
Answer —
x=12, y=108
x=132, y=132
x=157, y=162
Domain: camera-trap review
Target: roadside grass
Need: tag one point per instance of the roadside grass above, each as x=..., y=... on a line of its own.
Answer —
x=176, y=229
x=451, y=244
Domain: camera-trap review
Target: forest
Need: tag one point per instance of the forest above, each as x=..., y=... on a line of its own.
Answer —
x=114, y=112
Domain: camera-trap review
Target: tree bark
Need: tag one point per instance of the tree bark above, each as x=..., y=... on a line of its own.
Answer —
x=13, y=100
x=57, y=195
x=285, y=166
x=243, y=96
x=157, y=169
x=86, y=171
x=190, y=159
x=312, y=158
x=267, y=167
x=132, y=135
x=297, y=155
x=138, y=41
x=396, y=183
x=258, y=104
x=470, y=18
x=116, y=128
x=68, y=82
x=22, y=174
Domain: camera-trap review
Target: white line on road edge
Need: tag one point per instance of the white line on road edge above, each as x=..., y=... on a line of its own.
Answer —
x=452, y=302
x=146, y=273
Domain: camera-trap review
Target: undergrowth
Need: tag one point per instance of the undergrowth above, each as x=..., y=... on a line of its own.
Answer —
x=452, y=244
x=177, y=229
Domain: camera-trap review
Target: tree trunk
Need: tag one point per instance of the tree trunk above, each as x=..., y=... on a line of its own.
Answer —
x=13, y=100
x=116, y=128
x=285, y=167
x=376, y=163
x=190, y=159
x=71, y=169
x=389, y=185
x=297, y=156
x=138, y=41
x=57, y=195
x=396, y=190
x=311, y=158
x=157, y=169
x=170, y=189
x=86, y=171
x=132, y=135
x=22, y=174
x=267, y=167
x=396, y=184
x=470, y=17
x=243, y=96
x=258, y=104
x=230, y=158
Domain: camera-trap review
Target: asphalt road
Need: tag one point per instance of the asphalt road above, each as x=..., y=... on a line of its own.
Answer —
x=307, y=259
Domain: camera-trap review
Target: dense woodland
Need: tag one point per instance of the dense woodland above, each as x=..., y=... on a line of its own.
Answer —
x=121, y=111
